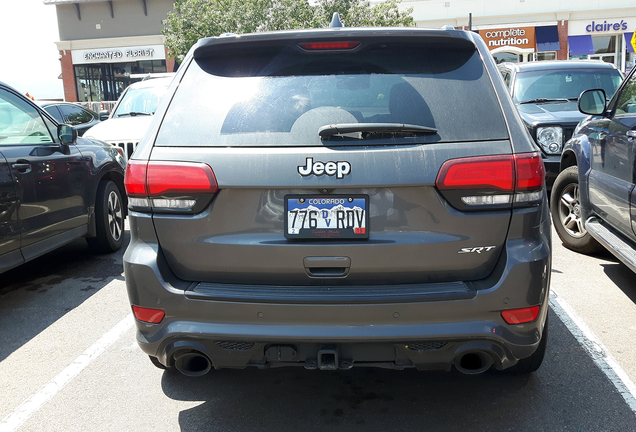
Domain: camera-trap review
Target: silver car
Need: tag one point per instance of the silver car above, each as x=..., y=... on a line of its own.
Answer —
x=339, y=198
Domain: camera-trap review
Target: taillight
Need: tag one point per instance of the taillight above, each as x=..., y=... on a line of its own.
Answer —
x=152, y=316
x=520, y=316
x=168, y=186
x=485, y=182
x=327, y=46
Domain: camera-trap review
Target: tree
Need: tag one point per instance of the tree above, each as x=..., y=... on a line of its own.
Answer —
x=194, y=19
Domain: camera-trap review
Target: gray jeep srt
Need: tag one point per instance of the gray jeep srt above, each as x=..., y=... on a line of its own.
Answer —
x=335, y=198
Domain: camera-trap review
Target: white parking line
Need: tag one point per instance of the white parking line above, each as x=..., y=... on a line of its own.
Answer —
x=29, y=407
x=601, y=356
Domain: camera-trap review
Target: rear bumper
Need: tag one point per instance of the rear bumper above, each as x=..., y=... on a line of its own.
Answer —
x=426, y=332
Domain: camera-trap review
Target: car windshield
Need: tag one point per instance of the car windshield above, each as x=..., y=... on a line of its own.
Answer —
x=564, y=84
x=141, y=101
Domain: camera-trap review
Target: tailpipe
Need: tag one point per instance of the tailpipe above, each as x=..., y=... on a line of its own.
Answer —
x=473, y=363
x=193, y=363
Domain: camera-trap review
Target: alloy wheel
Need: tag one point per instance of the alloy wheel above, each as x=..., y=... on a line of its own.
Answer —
x=115, y=216
x=570, y=211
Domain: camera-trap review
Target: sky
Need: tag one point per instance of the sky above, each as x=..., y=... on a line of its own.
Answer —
x=30, y=60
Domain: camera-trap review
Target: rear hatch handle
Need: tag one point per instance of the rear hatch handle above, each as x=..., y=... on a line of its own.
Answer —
x=327, y=267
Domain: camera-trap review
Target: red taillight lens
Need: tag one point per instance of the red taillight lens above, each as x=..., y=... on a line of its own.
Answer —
x=169, y=186
x=520, y=316
x=335, y=45
x=157, y=178
x=493, y=181
x=530, y=171
x=152, y=316
x=180, y=177
x=135, y=178
x=485, y=172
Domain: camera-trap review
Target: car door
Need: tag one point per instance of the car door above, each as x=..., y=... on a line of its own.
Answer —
x=50, y=179
x=611, y=180
x=10, y=255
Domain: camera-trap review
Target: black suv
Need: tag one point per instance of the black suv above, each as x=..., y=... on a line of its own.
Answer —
x=337, y=198
x=593, y=201
x=546, y=93
x=54, y=186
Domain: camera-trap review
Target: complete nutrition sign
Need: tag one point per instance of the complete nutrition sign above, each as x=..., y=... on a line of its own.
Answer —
x=520, y=37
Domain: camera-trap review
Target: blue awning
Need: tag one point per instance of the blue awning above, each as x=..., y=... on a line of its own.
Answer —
x=628, y=42
x=547, y=38
x=581, y=45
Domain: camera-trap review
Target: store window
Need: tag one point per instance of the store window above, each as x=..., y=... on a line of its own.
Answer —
x=502, y=57
x=107, y=81
x=548, y=55
x=604, y=48
x=89, y=83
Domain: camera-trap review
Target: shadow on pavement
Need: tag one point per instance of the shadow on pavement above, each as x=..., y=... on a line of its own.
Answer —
x=568, y=393
x=623, y=278
x=36, y=294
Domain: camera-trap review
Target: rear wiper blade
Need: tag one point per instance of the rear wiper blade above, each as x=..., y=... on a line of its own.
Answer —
x=133, y=113
x=366, y=129
x=542, y=100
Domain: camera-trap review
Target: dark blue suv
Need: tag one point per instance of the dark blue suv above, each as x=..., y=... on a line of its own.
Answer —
x=593, y=200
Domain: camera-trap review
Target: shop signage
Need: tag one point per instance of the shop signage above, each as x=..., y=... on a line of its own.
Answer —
x=520, y=37
x=600, y=26
x=119, y=55
x=597, y=26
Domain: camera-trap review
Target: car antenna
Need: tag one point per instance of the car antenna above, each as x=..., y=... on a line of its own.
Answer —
x=335, y=21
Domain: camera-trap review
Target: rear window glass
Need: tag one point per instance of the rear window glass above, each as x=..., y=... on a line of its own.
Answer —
x=283, y=96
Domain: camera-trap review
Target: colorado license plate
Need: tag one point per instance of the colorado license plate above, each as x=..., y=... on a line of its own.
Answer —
x=326, y=217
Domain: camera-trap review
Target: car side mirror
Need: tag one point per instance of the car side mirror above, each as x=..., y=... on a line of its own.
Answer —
x=593, y=102
x=67, y=134
x=103, y=115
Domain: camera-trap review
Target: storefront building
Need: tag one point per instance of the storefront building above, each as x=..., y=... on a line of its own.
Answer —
x=107, y=45
x=533, y=30
x=526, y=42
x=607, y=39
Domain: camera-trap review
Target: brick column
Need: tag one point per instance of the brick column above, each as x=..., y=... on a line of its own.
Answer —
x=169, y=62
x=563, y=53
x=68, y=77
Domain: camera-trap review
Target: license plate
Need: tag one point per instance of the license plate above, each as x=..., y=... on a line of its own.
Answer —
x=326, y=217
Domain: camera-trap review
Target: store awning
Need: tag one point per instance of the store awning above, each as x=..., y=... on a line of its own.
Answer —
x=547, y=38
x=581, y=45
x=628, y=42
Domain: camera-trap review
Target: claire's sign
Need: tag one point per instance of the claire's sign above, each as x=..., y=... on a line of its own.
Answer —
x=605, y=26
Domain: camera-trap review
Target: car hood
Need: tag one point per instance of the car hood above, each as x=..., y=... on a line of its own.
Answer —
x=120, y=129
x=551, y=112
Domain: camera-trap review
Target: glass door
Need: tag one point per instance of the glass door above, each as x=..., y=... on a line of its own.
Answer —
x=605, y=49
x=90, y=85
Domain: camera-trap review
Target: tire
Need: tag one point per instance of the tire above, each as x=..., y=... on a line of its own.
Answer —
x=565, y=207
x=109, y=218
x=531, y=364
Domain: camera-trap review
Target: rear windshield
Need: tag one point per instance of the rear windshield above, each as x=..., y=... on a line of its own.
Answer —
x=564, y=84
x=284, y=96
